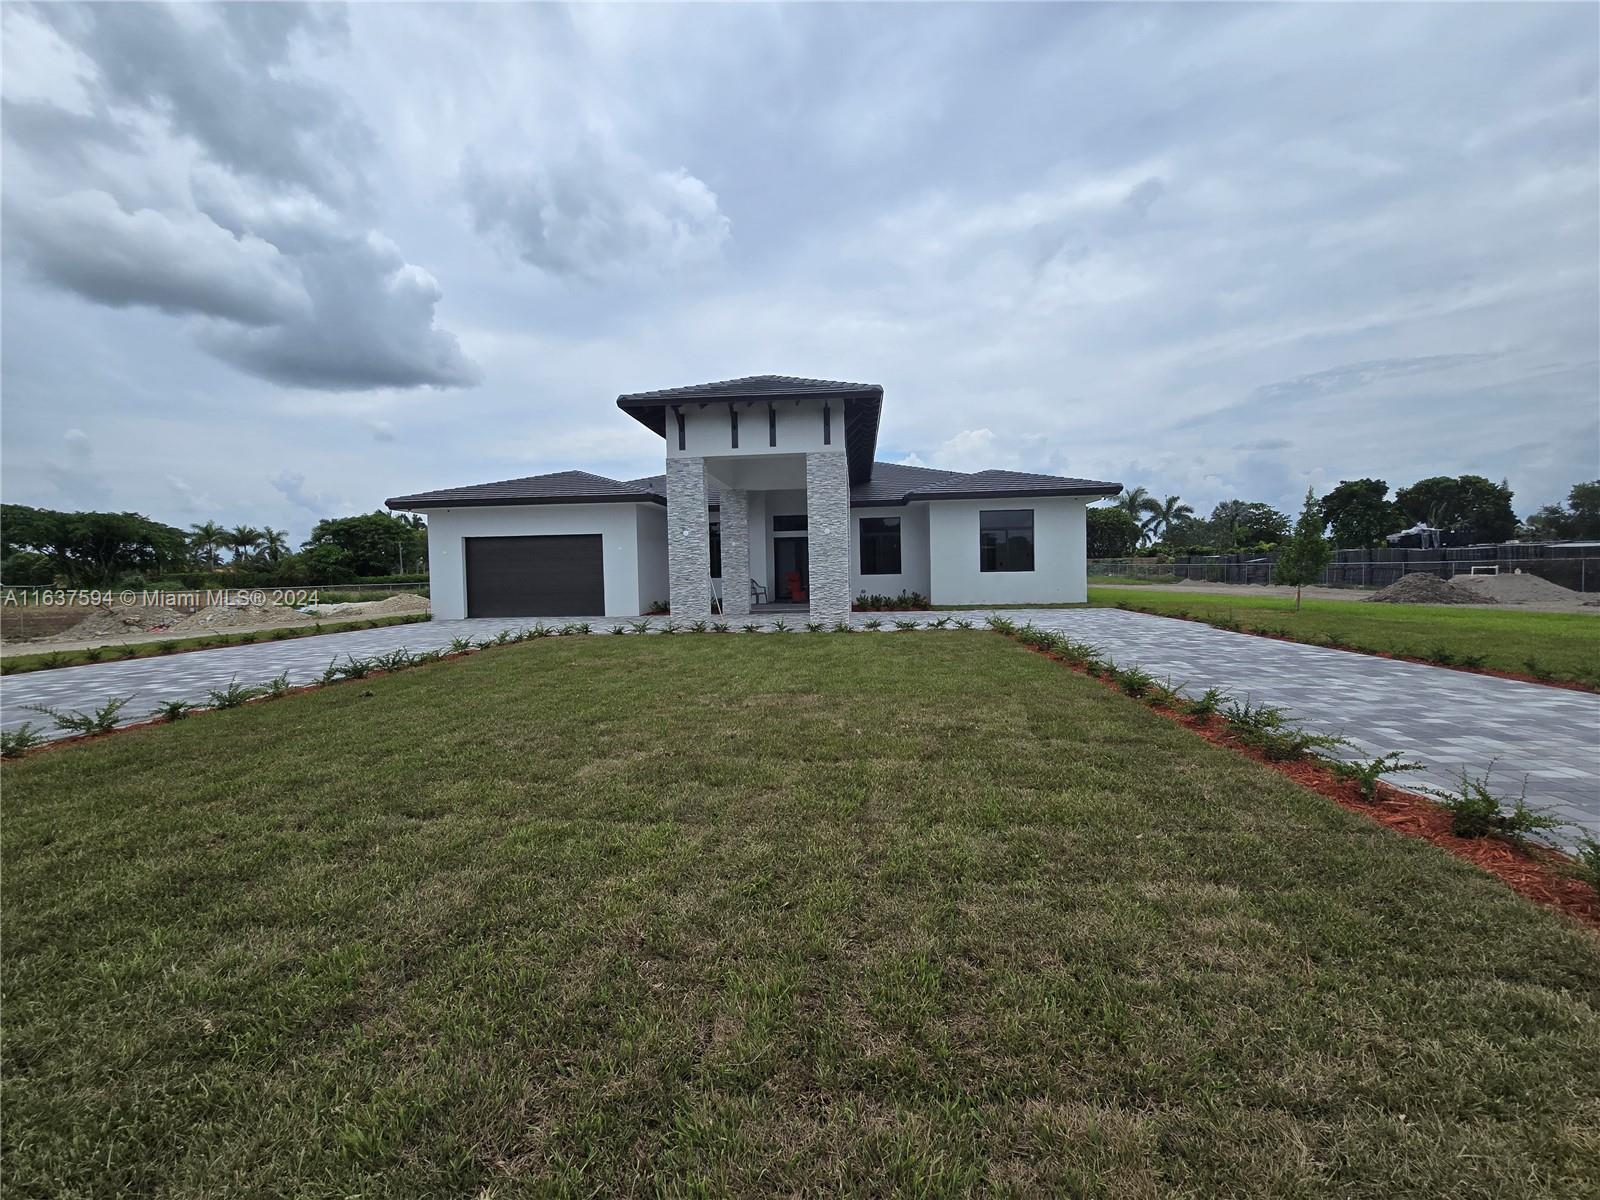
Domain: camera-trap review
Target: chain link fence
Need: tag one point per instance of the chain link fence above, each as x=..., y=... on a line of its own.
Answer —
x=1579, y=572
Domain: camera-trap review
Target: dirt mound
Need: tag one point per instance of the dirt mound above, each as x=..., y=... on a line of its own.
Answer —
x=110, y=621
x=392, y=606
x=1422, y=588
x=239, y=616
x=1519, y=589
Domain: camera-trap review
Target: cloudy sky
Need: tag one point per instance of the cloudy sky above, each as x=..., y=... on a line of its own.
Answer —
x=265, y=263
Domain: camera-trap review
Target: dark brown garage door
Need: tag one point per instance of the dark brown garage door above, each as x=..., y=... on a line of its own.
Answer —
x=535, y=576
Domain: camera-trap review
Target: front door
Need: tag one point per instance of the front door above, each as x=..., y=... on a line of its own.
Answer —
x=789, y=558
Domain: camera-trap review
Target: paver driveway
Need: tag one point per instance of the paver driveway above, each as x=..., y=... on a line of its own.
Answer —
x=1447, y=720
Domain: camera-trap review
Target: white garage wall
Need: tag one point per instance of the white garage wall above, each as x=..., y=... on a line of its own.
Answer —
x=1060, y=569
x=913, y=575
x=618, y=525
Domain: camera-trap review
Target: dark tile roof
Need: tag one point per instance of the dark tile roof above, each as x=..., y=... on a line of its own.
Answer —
x=890, y=484
x=861, y=405
x=750, y=386
x=561, y=487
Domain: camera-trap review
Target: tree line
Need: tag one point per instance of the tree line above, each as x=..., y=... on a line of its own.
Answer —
x=1359, y=513
x=44, y=547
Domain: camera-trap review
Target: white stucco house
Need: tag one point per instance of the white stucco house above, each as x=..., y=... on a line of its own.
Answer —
x=770, y=497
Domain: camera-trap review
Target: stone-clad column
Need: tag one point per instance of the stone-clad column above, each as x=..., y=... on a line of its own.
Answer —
x=735, y=551
x=828, y=534
x=688, y=540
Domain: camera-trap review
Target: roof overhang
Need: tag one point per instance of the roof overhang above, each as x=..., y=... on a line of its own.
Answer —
x=862, y=408
x=425, y=503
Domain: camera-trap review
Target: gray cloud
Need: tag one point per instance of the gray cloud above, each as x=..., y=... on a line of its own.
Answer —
x=595, y=214
x=179, y=262
x=244, y=210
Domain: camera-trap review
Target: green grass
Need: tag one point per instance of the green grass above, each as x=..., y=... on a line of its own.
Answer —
x=22, y=663
x=1132, y=580
x=812, y=915
x=1566, y=646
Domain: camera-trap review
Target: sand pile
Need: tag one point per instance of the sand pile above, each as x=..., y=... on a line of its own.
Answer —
x=1422, y=588
x=393, y=606
x=239, y=616
x=1519, y=589
x=109, y=621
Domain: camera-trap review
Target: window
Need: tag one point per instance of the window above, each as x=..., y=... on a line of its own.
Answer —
x=880, y=545
x=1005, y=539
x=794, y=523
x=716, y=549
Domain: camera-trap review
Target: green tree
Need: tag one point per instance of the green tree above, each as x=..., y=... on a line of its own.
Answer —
x=1163, y=514
x=1302, y=560
x=208, y=538
x=1112, y=532
x=92, y=547
x=1236, y=523
x=375, y=543
x=243, y=539
x=1361, y=513
x=1468, y=502
x=273, y=543
x=1580, y=519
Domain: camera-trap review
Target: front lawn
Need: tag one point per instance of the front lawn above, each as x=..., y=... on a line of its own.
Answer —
x=914, y=913
x=1562, y=646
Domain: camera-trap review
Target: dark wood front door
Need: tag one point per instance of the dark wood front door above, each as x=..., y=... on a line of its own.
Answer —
x=789, y=557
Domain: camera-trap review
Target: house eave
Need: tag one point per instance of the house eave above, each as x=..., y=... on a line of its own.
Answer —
x=425, y=503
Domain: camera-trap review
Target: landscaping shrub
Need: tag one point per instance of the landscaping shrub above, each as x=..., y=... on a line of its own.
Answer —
x=1135, y=681
x=1268, y=730
x=907, y=623
x=234, y=695
x=1477, y=811
x=1366, y=774
x=814, y=626
x=1588, y=857
x=100, y=720
x=14, y=743
x=1206, y=703
x=878, y=603
x=174, y=710
x=752, y=627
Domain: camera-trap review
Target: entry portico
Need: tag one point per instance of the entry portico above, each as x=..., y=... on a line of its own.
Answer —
x=747, y=445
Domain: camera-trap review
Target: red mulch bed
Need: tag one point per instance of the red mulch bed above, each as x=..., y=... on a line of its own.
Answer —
x=1537, y=873
x=1572, y=685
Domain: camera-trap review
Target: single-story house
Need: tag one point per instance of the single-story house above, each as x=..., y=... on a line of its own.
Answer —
x=770, y=497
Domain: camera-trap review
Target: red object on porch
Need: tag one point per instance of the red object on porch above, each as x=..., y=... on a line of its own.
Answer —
x=791, y=581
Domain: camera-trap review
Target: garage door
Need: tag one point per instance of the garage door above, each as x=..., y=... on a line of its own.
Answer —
x=535, y=576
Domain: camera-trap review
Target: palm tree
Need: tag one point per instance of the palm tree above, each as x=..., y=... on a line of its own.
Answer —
x=206, y=539
x=1163, y=514
x=1135, y=502
x=274, y=542
x=243, y=539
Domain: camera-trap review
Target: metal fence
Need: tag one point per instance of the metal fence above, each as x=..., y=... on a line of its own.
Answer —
x=1578, y=571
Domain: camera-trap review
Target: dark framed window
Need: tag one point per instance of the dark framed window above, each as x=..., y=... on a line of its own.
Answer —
x=793, y=523
x=1005, y=539
x=716, y=549
x=880, y=545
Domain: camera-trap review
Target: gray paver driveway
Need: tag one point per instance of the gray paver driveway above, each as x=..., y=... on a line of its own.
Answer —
x=1447, y=720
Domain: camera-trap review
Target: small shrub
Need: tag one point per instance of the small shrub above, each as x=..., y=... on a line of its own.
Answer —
x=278, y=685
x=780, y=626
x=330, y=674
x=1002, y=625
x=395, y=660
x=460, y=645
x=815, y=626
x=14, y=743
x=360, y=668
x=166, y=647
x=1538, y=670
x=1442, y=655
x=279, y=635
x=576, y=627
x=541, y=630
x=1206, y=703
x=234, y=695
x=501, y=638
x=1366, y=774
x=1588, y=860
x=619, y=629
x=963, y=623
x=1135, y=681
x=1334, y=640
x=484, y=644
x=752, y=627
x=93, y=654
x=126, y=652
x=1269, y=730
x=1470, y=660
x=669, y=627
x=1477, y=811
x=99, y=720
x=641, y=626
x=1166, y=693
x=719, y=627
x=907, y=623
x=246, y=638
x=54, y=659
x=174, y=710
x=873, y=623
x=939, y=622
x=697, y=626
x=841, y=626
x=1230, y=624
